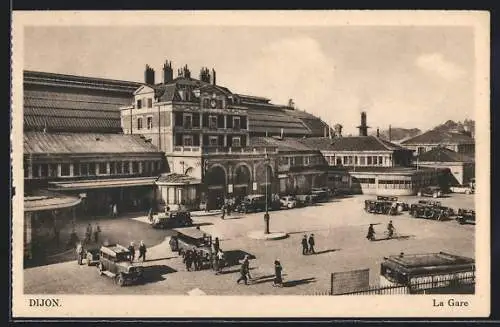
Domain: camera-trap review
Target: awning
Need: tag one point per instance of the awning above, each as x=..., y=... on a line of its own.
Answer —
x=308, y=172
x=102, y=183
x=177, y=179
x=49, y=202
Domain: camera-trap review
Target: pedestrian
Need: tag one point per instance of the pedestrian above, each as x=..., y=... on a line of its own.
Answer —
x=220, y=257
x=223, y=210
x=243, y=274
x=228, y=208
x=246, y=262
x=188, y=259
x=142, y=251
x=216, y=245
x=97, y=231
x=215, y=260
x=131, y=250
x=304, y=245
x=115, y=210
x=80, y=251
x=278, y=279
x=150, y=214
x=201, y=259
x=88, y=233
x=194, y=259
x=311, y=244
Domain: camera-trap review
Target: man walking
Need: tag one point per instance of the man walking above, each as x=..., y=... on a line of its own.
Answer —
x=278, y=279
x=216, y=245
x=97, y=231
x=243, y=273
x=311, y=244
x=80, y=252
x=131, y=250
x=304, y=245
x=142, y=251
x=88, y=233
x=115, y=210
x=246, y=262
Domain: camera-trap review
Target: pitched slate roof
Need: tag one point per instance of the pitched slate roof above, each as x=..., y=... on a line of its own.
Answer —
x=285, y=144
x=351, y=143
x=46, y=143
x=442, y=154
x=439, y=137
x=262, y=120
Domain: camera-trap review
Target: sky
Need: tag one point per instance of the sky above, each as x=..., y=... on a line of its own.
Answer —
x=412, y=77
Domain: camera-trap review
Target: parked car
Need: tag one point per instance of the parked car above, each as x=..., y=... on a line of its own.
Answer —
x=172, y=219
x=303, y=199
x=466, y=189
x=321, y=194
x=92, y=256
x=192, y=238
x=114, y=262
x=466, y=216
x=288, y=202
x=433, y=191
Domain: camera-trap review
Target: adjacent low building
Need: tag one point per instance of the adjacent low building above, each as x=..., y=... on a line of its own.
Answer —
x=461, y=166
x=458, y=140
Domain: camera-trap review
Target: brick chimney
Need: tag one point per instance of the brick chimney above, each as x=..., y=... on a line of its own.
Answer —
x=149, y=75
x=168, y=72
x=205, y=75
x=213, y=79
x=363, y=128
x=338, y=130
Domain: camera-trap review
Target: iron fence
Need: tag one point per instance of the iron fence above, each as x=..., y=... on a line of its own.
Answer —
x=432, y=285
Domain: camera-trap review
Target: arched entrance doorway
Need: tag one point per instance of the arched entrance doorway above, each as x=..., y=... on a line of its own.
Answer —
x=242, y=180
x=215, y=180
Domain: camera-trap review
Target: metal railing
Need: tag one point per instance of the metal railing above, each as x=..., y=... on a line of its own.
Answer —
x=438, y=285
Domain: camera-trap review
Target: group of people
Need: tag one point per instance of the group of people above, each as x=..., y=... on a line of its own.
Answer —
x=371, y=231
x=308, y=245
x=142, y=251
x=194, y=258
x=246, y=277
x=89, y=232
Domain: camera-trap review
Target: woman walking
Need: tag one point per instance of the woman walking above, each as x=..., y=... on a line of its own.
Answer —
x=278, y=280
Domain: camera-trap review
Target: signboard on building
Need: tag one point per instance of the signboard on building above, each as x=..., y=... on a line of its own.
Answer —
x=230, y=188
x=254, y=186
x=350, y=281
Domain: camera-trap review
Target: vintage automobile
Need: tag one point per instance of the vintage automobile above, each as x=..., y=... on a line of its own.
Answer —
x=288, y=202
x=401, y=206
x=257, y=202
x=92, y=256
x=114, y=262
x=430, y=211
x=433, y=191
x=321, y=194
x=381, y=207
x=179, y=217
x=466, y=189
x=466, y=216
x=192, y=238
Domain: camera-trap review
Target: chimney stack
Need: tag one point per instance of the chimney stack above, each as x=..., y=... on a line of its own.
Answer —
x=338, y=130
x=205, y=75
x=212, y=78
x=184, y=72
x=378, y=132
x=168, y=72
x=363, y=128
x=390, y=133
x=149, y=75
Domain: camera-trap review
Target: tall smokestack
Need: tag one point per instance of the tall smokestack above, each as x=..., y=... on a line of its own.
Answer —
x=213, y=77
x=378, y=132
x=390, y=133
x=363, y=128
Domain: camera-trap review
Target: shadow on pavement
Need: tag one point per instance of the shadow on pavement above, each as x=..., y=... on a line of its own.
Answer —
x=153, y=274
x=292, y=283
x=230, y=271
x=264, y=279
x=233, y=217
x=159, y=259
x=307, y=231
x=326, y=251
x=234, y=256
x=202, y=224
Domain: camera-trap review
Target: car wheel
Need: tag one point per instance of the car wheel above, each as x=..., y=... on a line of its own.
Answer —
x=120, y=281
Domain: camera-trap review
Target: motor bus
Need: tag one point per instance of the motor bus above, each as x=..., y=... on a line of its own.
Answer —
x=427, y=273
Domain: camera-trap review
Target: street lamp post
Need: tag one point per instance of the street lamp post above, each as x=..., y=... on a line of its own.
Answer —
x=266, y=215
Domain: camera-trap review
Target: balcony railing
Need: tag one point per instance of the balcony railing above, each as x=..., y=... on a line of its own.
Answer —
x=187, y=149
x=239, y=150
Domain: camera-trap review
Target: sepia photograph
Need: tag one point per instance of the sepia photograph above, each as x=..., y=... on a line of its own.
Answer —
x=201, y=159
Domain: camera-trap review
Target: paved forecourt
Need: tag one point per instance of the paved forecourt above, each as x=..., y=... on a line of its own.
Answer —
x=339, y=227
